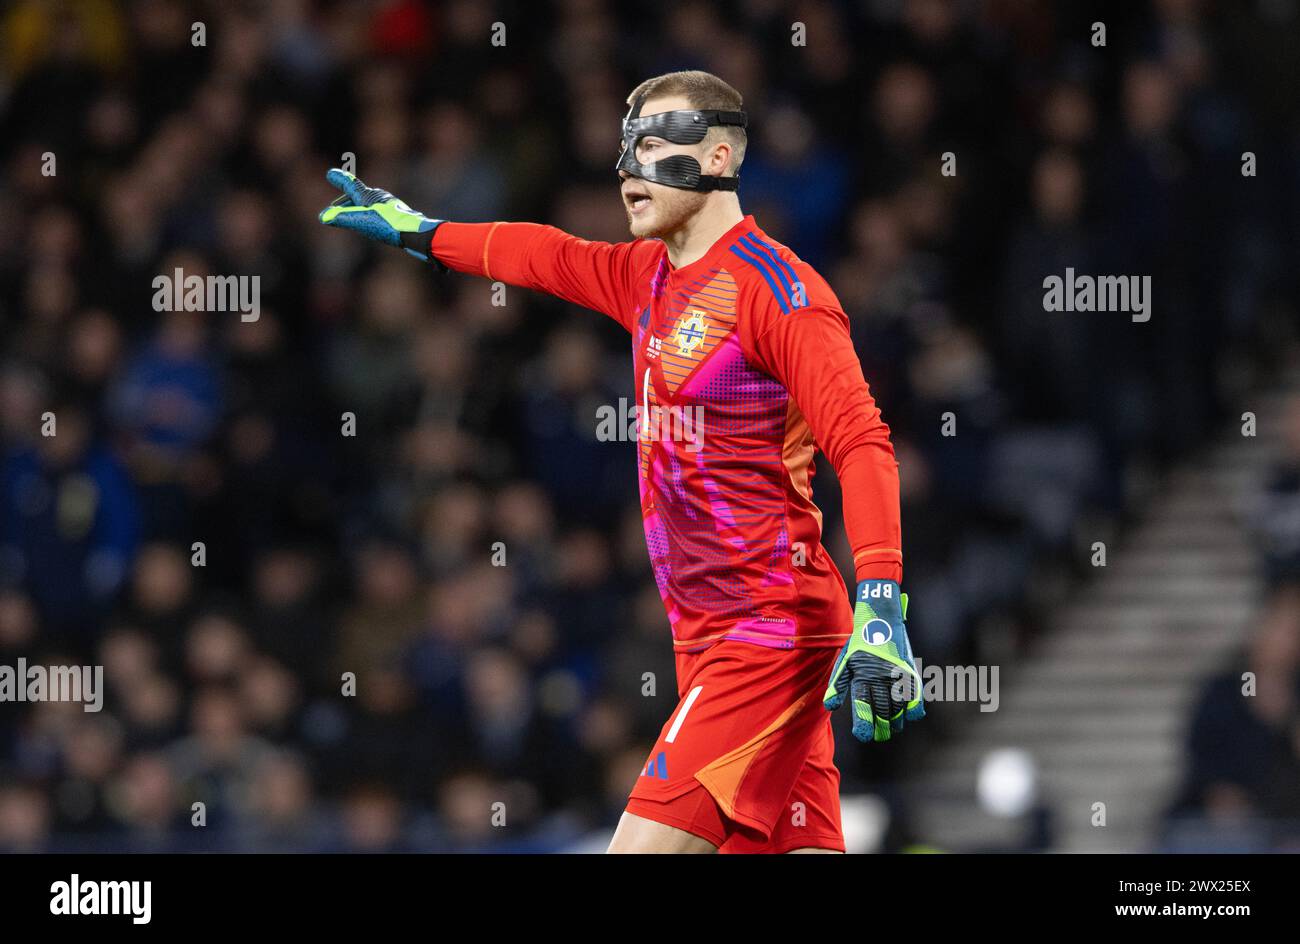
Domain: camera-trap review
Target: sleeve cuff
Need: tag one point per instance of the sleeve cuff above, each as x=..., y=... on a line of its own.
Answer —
x=880, y=570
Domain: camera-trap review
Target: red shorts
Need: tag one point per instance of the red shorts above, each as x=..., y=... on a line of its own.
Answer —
x=747, y=759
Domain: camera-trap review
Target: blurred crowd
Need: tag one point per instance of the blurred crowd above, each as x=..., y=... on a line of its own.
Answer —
x=1241, y=790
x=305, y=631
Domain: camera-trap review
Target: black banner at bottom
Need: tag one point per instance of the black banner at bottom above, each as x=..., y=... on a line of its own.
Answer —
x=337, y=894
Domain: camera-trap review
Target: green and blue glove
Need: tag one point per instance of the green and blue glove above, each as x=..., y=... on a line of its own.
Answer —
x=378, y=215
x=875, y=668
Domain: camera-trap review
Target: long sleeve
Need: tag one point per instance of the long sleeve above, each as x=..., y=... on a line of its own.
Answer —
x=811, y=353
x=595, y=275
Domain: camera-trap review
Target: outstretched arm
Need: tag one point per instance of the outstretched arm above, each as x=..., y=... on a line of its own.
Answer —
x=595, y=275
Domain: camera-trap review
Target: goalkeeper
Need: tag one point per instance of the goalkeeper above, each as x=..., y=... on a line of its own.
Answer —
x=728, y=324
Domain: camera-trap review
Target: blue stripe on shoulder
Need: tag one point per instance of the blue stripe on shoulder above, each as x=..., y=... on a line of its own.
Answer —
x=783, y=268
x=771, y=265
x=767, y=276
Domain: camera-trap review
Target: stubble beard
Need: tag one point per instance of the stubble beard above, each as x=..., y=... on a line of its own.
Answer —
x=672, y=208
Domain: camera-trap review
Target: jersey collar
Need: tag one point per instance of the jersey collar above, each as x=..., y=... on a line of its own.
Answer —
x=710, y=259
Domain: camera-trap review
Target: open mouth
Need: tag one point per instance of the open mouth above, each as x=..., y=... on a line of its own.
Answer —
x=636, y=201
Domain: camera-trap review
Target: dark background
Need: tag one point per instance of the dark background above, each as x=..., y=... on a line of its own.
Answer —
x=371, y=554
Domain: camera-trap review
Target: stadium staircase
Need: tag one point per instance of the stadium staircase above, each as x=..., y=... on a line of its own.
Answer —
x=1102, y=702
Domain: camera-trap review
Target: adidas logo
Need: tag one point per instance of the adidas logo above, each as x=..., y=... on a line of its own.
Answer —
x=657, y=767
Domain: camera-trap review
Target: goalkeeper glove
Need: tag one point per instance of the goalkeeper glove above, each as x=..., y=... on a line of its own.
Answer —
x=875, y=668
x=377, y=214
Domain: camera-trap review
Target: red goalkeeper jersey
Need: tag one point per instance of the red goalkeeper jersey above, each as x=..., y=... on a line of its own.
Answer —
x=744, y=368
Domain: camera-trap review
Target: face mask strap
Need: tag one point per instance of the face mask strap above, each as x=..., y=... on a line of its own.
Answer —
x=687, y=126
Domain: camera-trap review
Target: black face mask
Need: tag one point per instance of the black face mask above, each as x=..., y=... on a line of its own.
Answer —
x=680, y=127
